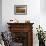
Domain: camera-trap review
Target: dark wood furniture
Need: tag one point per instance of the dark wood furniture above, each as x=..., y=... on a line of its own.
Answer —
x=22, y=33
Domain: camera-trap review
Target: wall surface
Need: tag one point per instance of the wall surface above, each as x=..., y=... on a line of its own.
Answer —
x=43, y=14
x=0, y=15
x=33, y=11
x=33, y=14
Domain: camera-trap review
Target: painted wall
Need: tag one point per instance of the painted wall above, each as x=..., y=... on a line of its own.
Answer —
x=33, y=11
x=43, y=6
x=0, y=15
x=33, y=14
x=43, y=14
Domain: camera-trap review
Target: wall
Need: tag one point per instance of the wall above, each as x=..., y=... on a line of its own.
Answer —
x=43, y=6
x=43, y=14
x=33, y=14
x=33, y=11
x=0, y=15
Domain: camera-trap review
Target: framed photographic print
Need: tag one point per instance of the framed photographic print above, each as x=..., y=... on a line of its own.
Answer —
x=20, y=9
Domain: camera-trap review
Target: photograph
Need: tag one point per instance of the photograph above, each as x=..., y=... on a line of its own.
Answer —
x=20, y=9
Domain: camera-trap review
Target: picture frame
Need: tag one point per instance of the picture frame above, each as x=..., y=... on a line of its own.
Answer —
x=20, y=9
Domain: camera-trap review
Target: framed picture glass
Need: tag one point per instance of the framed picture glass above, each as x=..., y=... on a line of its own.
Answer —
x=20, y=9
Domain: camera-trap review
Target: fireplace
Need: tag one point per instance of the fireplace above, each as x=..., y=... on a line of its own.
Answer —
x=22, y=33
x=20, y=38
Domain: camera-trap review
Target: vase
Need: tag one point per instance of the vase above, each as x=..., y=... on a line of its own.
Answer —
x=41, y=43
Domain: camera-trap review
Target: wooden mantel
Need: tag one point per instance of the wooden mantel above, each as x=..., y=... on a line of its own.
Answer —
x=23, y=27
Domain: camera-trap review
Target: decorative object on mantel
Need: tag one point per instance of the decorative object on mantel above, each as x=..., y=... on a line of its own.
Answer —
x=11, y=20
x=20, y=9
x=27, y=21
x=14, y=21
x=41, y=36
